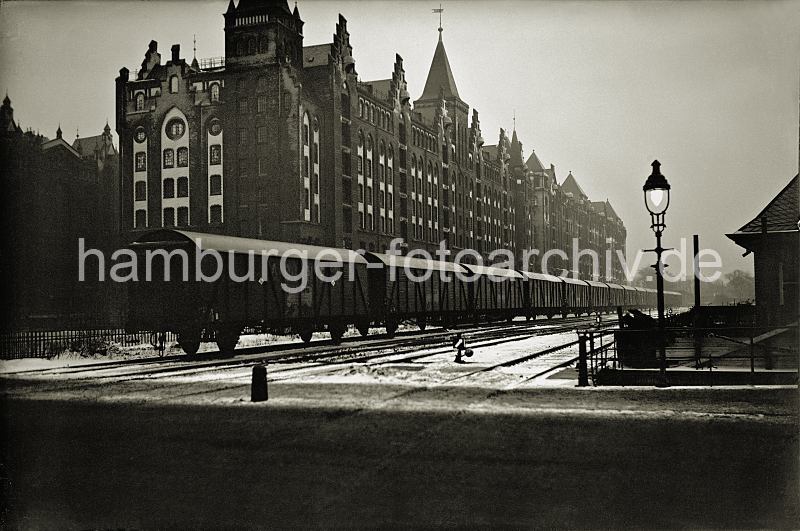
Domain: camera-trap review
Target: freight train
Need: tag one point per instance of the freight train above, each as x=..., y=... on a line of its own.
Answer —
x=291, y=288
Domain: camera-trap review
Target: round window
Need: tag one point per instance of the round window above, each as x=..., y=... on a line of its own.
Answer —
x=140, y=134
x=176, y=128
x=215, y=127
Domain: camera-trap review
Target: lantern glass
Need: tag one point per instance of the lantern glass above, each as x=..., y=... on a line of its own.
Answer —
x=656, y=200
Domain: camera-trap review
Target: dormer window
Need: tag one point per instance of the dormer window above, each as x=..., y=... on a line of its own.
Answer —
x=140, y=102
x=214, y=92
x=173, y=84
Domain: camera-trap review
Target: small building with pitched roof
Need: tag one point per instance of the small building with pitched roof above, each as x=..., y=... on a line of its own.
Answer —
x=773, y=236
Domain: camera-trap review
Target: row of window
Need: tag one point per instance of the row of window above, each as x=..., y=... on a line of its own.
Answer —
x=261, y=104
x=179, y=217
x=366, y=222
x=215, y=158
x=371, y=113
x=169, y=158
x=169, y=191
x=424, y=140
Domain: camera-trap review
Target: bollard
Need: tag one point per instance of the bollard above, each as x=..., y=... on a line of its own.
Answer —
x=258, y=387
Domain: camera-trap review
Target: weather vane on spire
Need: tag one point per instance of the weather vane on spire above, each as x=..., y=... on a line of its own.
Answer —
x=194, y=45
x=440, y=10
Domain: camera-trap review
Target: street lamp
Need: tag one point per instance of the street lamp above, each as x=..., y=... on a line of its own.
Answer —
x=656, y=199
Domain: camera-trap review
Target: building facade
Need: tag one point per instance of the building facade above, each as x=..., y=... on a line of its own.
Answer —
x=56, y=193
x=281, y=141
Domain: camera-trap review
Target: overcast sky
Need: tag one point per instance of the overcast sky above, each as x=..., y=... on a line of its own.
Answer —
x=601, y=89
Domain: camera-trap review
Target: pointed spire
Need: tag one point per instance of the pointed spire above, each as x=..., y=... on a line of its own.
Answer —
x=440, y=75
x=58, y=131
x=78, y=132
x=6, y=100
x=107, y=128
x=231, y=7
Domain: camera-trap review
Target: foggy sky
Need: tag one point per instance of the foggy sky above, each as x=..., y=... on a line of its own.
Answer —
x=710, y=89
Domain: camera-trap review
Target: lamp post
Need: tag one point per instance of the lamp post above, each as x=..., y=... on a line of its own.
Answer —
x=656, y=199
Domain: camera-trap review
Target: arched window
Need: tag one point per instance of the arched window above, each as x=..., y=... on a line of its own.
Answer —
x=168, y=189
x=141, y=191
x=215, y=214
x=183, y=187
x=141, y=161
x=251, y=46
x=183, y=157
x=169, y=158
x=240, y=47
x=183, y=216
x=173, y=84
x=215, y=185
x=140, y=102
x=169, y=217
x=141, y=218
x=214, y=92
x=215, y=154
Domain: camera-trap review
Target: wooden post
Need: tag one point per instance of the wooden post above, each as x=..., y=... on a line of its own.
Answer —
x=583, y=372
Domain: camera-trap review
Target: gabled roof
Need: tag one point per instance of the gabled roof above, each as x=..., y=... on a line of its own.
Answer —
x=56, y=142
x=610, y=212
x=440, y=75
x=316, y=55
x=380, y=87
x=781, y=214
x=571, y=185
x=490, y=150
x=533, y=163
x=92, y=144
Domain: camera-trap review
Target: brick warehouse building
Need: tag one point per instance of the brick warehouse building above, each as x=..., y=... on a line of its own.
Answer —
x=283, y=141
x=56, y=193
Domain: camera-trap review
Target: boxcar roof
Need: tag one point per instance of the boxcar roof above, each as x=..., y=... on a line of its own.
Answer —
x=614, y=286
x=492, y=271
x=628, y=288
x=541, y=276
x=597, y=284
x=415, y=263
x=221, y=243
x=569, y=280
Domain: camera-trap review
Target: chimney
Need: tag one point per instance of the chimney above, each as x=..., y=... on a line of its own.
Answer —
x=176, y=52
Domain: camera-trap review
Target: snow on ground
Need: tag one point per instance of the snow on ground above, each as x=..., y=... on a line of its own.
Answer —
x=438, y=367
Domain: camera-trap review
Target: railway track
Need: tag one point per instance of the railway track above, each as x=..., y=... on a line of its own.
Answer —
x=291, y=364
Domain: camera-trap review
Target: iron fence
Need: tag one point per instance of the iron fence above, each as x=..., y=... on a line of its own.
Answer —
x=743, y=350
x=89, y=340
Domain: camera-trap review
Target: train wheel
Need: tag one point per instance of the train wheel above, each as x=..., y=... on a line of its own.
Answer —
x=363, y=328
x=305, y=334
x=189, y=341
x=336, y=331
x=422, y=323
x=227, y=338
x=391, y=328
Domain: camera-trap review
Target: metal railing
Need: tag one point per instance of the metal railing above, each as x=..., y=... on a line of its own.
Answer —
x=86, y=341
x=737, y=349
